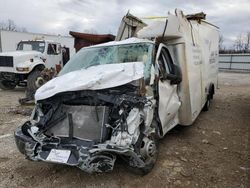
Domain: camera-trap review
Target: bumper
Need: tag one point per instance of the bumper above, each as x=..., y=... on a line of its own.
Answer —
x=83, y=154
x=11, y=76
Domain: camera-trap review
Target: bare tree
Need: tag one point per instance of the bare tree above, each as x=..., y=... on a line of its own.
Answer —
x=238, y=43
x=221, y=40
x=2, y=26
x=10, y=25
x=247, y=42
x=242, y=43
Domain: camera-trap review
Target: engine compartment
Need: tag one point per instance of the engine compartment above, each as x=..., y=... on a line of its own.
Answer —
x=91, y=128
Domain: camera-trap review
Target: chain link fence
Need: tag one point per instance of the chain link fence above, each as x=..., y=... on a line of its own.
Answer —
x=234, y=62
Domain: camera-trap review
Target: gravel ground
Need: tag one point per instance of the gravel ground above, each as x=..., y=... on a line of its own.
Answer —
x=214, y=152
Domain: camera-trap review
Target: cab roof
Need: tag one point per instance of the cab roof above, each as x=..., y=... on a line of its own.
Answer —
x=132, y=40
x=40, y=40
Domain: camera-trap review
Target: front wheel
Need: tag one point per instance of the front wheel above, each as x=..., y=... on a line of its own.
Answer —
x=7, y=85
x=34, y=81
x=147, y=148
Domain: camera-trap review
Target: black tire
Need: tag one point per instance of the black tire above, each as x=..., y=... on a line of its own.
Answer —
x=7, y=85
x=207, y=105
x=31, y=81
x=149, y=162
x=211, y=93
x=210, y=97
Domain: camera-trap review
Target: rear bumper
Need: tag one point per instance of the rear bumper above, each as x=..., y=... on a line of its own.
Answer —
x=84, y=154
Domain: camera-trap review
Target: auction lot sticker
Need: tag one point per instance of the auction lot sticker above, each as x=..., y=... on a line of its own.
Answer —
x=60, y=156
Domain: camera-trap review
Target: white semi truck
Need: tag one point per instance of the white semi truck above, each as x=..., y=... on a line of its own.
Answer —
x=119, y=98
x=24, y=55
x=25, y=65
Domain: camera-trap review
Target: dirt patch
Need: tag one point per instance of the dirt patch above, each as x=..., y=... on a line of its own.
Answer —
x=213, y=152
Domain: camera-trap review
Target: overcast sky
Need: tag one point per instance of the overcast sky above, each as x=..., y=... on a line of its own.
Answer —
x=104, y=16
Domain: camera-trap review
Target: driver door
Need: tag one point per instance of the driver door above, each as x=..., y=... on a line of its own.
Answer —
x=169, y=102
x=54, y=57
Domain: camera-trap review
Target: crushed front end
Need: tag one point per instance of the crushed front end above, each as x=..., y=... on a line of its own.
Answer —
x=88, y=129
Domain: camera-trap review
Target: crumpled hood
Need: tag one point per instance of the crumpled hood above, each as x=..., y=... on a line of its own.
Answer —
x=20, y=53
x=92, y=78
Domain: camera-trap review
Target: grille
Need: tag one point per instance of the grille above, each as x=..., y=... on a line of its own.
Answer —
x=6, y=61
x=88, y=123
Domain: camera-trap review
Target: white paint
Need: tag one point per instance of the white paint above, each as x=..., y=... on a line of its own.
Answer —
x=20, y=53
x=156, y=28
x=132, y=40
x=21, y=59
x=194, y=48
x=92, y=78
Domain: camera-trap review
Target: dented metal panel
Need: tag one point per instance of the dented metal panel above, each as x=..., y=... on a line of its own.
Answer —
x=92, y=78
x=162, y=28
x=129, y=27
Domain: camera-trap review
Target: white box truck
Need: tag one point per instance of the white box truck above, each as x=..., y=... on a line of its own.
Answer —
x=24, y=55
x=121, y=97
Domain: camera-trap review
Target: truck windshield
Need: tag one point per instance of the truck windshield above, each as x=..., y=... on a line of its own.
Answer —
x=31, y=45
x=138, y=52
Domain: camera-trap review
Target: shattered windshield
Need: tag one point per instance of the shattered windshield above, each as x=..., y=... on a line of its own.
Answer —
x=31, y=45
x=138, y=52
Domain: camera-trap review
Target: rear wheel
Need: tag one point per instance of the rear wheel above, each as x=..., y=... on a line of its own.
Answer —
x=211, y=91
x=7, y=85
x=207, y=105
x=210, y=97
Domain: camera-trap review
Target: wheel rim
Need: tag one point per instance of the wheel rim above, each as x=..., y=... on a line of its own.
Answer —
x=148, y=148
x=39, y=82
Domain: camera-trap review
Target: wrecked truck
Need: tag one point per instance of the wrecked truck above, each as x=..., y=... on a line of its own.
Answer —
x=119, y=98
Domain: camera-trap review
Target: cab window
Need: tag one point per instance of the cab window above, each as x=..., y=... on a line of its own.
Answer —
x=162, y=67
x=165, y=63
x=167, y=69
x=52, y=49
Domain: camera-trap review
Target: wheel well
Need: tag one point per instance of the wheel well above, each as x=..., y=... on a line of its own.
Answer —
x=211, y=89
x=39, y=67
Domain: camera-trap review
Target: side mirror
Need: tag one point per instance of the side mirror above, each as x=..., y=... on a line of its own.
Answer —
x=176, y=77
